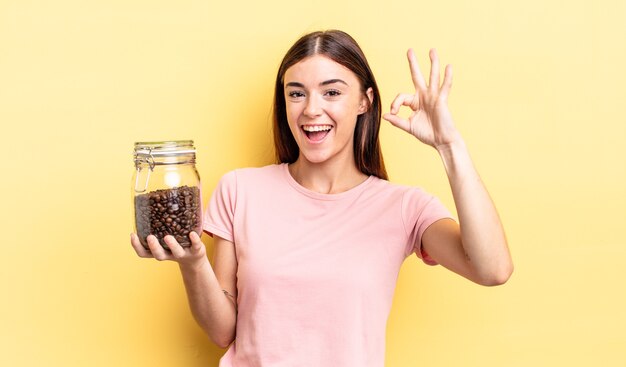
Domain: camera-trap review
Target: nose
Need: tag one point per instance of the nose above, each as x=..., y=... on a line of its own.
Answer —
x=313, y=106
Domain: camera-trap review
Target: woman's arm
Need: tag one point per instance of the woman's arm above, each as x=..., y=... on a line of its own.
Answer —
x=475, y=248
x=214, y=310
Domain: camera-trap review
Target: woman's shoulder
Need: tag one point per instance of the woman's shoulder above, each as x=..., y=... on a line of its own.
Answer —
x=253, y=175
x=397, y=188
x=270, y=170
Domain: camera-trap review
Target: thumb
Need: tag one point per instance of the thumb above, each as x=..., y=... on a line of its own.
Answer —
x=398, y=122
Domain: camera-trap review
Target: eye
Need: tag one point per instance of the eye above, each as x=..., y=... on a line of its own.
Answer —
x=333, y=93
x=295, y=94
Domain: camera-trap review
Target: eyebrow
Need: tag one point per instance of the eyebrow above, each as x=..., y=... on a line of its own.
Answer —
x=326, y=82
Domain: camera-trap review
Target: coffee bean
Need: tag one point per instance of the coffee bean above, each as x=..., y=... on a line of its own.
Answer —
x=165, y=212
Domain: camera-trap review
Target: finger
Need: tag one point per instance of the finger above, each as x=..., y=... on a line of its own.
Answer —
x=196, y=242
x=398, y=122
x=433, y=83
x=416, y=74
x=157, y=251
x=175, y=248
x=404, y=99
x=138, y=247
x=447, y=82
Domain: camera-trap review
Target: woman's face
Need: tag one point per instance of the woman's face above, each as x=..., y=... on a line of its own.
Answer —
x=323, y=99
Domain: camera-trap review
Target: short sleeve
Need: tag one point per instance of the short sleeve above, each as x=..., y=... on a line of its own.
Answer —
x=419, y=211
x=220, y=213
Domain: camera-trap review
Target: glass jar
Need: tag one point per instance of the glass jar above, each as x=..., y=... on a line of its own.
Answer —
x=166, y=191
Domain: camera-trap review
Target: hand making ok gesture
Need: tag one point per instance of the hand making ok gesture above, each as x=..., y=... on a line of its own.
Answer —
x=430, y=120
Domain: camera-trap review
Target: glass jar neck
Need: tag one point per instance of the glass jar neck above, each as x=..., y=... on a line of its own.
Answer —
x=153, y=154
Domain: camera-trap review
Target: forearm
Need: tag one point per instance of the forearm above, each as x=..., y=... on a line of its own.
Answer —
x=482, y=234
x=211, y=308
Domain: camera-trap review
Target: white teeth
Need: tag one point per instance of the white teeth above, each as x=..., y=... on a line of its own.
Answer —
x=310, y=128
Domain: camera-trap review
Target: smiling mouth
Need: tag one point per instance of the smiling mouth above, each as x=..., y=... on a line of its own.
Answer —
x=316, y=133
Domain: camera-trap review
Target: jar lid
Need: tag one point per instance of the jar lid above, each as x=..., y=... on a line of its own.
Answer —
x=164, y=148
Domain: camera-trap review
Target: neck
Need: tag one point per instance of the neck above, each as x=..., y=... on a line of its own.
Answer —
x=327, y=177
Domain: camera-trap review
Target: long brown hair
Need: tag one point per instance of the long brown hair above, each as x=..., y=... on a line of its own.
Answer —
x=343, y=49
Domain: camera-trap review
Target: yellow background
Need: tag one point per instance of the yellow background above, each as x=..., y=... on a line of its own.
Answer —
x=538, y=95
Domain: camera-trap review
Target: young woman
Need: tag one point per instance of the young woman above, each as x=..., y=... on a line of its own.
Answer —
x=307, y=251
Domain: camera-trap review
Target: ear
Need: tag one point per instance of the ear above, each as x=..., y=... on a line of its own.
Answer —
x=366, y=100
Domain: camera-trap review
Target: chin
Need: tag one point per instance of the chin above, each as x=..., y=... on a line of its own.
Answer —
x=316, y=158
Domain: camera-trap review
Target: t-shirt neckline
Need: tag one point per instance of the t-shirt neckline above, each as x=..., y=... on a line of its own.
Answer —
x=356, y=190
